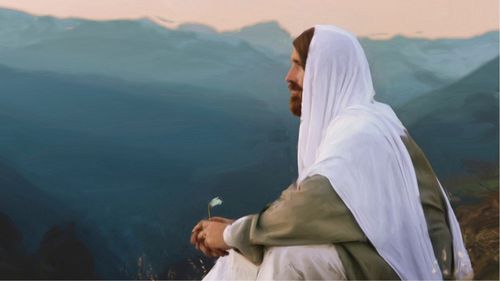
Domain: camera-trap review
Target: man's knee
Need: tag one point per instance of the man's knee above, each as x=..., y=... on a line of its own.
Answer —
x=301, y=262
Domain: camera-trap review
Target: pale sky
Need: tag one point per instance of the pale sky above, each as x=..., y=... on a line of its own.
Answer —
x=372, y=18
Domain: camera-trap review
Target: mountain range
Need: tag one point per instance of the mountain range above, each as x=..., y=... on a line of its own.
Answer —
x=459, y=122
x=255, y=57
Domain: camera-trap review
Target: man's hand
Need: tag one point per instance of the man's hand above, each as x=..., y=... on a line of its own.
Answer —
x=207, y=236
x=213, y=233
x=198, y=239
x=221, y=219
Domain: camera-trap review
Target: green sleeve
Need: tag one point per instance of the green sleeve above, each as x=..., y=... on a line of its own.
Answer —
x=311, y=214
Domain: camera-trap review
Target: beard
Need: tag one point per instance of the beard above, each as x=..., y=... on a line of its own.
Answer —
x=296, y=103
x=295, y=98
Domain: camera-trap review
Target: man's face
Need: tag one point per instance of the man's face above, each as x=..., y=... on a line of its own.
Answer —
x=295, y=79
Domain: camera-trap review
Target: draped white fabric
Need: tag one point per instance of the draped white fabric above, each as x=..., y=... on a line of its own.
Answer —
x=355, y=141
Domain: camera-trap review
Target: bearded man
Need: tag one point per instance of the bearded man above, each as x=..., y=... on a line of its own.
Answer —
x=366, y=203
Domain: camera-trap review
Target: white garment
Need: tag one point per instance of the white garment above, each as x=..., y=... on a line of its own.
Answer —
x=312, y=262
x=232, y=267
x=356, y=143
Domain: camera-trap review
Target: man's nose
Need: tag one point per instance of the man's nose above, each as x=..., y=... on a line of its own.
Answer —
x=289, y=76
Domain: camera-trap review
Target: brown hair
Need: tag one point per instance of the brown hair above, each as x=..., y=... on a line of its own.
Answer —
x=301, y=44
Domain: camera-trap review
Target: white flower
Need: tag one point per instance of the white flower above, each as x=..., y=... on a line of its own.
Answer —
x=214, y=202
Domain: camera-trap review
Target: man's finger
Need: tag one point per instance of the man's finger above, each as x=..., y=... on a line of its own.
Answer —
x=201, y=236
x=211, y=252
x=193, y=237
x=200, y=225
x=205, y=250
x=204, y=223
x=197, y=230
x=199, y=242
x=197, y=227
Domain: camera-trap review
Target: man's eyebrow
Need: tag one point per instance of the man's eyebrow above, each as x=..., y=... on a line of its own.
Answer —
x=297, y=61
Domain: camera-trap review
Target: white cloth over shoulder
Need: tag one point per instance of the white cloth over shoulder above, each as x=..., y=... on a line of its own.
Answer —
x=355, y=141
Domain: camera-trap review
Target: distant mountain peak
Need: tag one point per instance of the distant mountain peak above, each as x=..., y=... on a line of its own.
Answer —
x=265, y=25
x=197, y=27
x=268, y=36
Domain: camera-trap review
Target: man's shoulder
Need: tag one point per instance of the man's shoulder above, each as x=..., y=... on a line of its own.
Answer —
x=354, y=123
x=351, y=132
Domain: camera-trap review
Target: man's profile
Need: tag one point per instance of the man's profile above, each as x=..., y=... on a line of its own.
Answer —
x=366, y=203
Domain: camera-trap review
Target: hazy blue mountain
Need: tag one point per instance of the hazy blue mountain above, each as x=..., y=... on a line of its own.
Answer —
x=139, y=162
x=34, y=212
x=20, y=199
x=252, y=60
x=142, y=51
x=458, y=123
x=18, y=29
x=267, y=36
x=403, y=68
x=196, y=27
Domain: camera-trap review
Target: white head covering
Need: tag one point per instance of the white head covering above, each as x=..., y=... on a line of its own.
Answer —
x=356, y=143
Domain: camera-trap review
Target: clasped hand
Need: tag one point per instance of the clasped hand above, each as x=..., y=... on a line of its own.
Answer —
x=207, y=236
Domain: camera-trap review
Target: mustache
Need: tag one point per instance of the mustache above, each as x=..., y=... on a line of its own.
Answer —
x=292, y=86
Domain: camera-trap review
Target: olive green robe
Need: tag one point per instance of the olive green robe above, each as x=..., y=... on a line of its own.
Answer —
x=315, y=214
